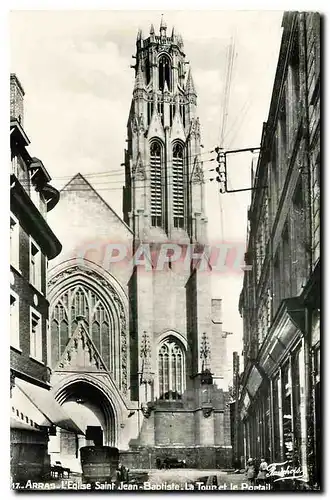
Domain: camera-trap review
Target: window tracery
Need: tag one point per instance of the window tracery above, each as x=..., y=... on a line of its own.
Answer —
x=170, y=370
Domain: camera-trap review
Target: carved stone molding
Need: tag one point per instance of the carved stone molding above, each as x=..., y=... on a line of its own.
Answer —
x=198, y=128
x=205, y=351
x=207, y=411
x=146, y=409
x=138, y=124
x=101, y=281
x=139, y=170
x=145, y=353
x=198, y=174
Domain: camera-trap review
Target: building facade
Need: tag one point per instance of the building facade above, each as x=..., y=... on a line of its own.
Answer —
x=139, y=340
x=34, y=412
x=280, y=300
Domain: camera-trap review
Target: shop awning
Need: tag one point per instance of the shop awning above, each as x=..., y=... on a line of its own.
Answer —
x=15, y=423
x=50, y=411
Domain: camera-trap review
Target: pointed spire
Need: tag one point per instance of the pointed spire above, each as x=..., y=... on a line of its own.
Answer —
x=152, y=29
x=180, y=40
x=163, y=25
x=173, y=32
x=190, y=87
x=139, y=80
x=139, y=35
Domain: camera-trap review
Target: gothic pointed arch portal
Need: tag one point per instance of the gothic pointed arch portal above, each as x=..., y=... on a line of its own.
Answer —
x=92, y=395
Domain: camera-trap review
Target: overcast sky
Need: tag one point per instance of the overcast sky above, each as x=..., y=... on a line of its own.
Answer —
x=75, y=70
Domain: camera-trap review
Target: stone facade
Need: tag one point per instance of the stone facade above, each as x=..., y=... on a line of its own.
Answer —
x=163, y=326
x=32, y=244
x=280, y=300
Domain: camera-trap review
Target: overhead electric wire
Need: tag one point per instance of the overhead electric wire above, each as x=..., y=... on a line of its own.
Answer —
x=101, y=182
x=225, y=105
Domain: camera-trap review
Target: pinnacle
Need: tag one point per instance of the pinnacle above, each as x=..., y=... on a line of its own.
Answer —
x=152, y=29
x=162, y=23
x=190, y=86
x=139, y=80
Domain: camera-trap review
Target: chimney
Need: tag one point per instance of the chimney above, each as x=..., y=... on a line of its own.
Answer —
x=16, y=99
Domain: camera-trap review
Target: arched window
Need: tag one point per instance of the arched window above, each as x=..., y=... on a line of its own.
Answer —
x=148, y=73
x=164, y=72
x=156, y=184
x=76, y=303
x=171, y=371
x=178, y=186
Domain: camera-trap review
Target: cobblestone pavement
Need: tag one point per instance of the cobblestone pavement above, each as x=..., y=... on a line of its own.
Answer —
x=192, y=479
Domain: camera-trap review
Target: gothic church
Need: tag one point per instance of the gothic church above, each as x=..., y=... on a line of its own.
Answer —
x=143, y=347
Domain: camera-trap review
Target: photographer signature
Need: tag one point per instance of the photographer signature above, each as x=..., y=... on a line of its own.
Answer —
x=283, y=472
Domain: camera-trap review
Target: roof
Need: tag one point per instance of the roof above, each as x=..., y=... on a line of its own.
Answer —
x=15, y=423
x=80, y=176
x=46, y=403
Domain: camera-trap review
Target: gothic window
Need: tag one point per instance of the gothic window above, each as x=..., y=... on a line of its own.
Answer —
x=178, y=191
x=148, y=73
x=182, y=113
x=75, y=304
x=164, y=68
x=170, y=370
x=156, y=184
x=150, y=110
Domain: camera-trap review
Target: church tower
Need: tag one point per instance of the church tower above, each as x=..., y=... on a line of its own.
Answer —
x=164, y=191
x=176, y=339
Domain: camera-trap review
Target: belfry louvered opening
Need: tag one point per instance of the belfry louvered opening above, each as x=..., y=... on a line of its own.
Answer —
x=156, y=184
x=178, y=188
x=164, y=73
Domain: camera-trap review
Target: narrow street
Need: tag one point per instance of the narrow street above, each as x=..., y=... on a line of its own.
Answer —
x=189, y=479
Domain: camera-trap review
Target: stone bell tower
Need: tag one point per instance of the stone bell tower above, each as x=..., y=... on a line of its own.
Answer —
x=164, y=191
x=175, y=329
